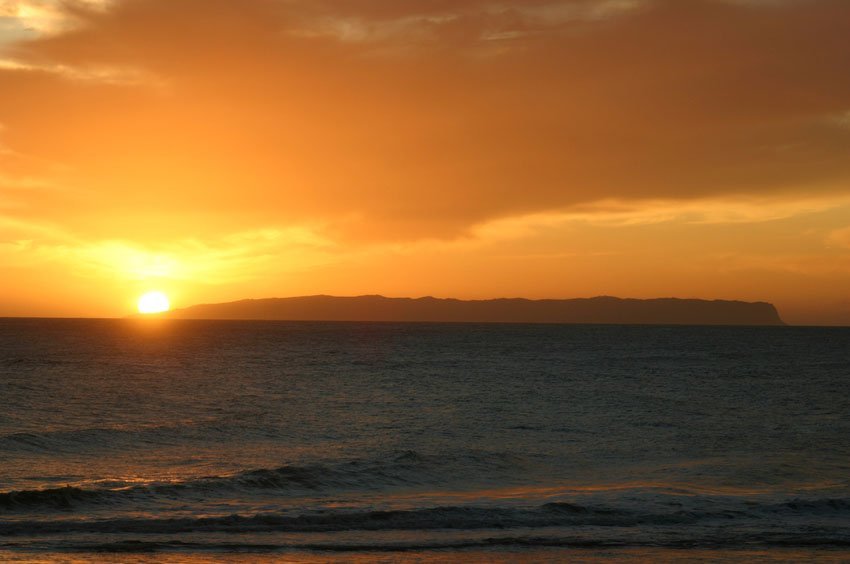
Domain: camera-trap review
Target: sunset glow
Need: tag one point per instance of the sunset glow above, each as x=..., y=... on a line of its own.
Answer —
x=424, y=280
x=642, y=149
x=153, y=302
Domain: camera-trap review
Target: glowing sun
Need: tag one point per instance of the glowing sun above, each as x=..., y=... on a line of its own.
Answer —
x=154, y=302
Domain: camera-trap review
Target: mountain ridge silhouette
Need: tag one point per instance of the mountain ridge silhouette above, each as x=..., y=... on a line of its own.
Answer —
x=597, y=310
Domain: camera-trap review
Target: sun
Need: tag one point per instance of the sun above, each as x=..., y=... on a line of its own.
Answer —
x=154, y=302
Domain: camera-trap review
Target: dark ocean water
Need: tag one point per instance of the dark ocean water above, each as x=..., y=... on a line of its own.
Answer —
x=254, y=440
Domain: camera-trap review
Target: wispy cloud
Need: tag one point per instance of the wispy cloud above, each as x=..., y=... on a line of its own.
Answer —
x=226, y=260
x=624, y=213
x=839, y=238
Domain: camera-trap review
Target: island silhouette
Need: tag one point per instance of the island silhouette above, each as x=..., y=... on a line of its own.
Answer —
x=598, y=310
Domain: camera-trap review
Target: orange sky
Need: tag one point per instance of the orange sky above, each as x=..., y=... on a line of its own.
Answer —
x=223, y=149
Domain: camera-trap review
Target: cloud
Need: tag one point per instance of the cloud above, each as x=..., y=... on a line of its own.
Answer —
x=839, y=238
x=404, y=119
x=226, y=260
x=618, y=214
x=25, y=18
x=231, y=259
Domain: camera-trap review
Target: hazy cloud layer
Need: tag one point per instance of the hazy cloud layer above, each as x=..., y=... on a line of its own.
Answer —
x=220, y=149
x=394, y=118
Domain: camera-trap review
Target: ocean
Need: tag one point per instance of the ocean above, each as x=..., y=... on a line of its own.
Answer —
x=207, y=441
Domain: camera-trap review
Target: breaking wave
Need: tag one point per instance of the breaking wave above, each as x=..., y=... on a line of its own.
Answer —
x=405, y=469
x=458, y=518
